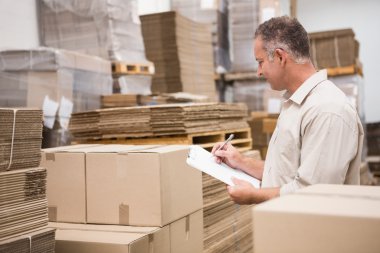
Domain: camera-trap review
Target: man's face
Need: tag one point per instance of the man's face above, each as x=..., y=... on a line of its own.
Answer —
x=271, y=70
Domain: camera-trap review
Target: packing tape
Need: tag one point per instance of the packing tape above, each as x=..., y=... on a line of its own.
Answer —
x=151, y=246
x=187, y=227
x=52, y=213
x=50, y=156
x=336, y=51
x=13, y=138
x=123, y=214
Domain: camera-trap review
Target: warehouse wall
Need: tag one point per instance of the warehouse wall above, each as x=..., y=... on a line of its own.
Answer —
x=363, y=17
x=18, y=24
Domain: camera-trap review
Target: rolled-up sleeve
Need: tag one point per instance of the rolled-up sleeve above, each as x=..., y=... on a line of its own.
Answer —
x=329, y=143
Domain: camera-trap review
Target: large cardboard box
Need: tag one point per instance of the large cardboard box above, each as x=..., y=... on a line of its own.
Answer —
x=325, y=218
x=182, y=236
x=121, y=184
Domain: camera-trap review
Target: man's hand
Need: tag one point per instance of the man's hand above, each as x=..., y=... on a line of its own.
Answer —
x=244, y=193
x=229, y=155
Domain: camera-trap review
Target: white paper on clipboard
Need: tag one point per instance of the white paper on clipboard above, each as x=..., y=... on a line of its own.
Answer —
x=203, y=160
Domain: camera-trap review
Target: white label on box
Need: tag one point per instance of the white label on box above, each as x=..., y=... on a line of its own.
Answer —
x=65, y=110
x=49, y=108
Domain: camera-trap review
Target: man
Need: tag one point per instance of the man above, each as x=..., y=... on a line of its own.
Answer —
x=318, y=137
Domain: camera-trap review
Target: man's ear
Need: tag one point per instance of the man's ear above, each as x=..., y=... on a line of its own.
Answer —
x=281, y=54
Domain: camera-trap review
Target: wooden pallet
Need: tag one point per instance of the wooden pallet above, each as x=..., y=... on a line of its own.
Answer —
x=242, y=139
x=347, y=70
x=123, y=68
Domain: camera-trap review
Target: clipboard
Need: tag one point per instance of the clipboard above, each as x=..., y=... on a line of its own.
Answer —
x=201, y=159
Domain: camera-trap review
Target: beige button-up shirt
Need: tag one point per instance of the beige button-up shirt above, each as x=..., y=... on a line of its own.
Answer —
x=318, y=139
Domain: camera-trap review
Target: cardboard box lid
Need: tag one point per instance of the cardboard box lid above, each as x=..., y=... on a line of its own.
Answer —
x=323, y=205
x=105, y=228
x=364, y=191
x=161, y=149
x=97, y=236
x=69, y=147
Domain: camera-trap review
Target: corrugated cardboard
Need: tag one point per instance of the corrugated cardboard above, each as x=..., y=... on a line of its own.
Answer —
x=182, y=236
x=121, y=184
x=320, y=219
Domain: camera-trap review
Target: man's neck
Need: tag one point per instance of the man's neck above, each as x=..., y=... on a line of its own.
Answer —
x=298, y=74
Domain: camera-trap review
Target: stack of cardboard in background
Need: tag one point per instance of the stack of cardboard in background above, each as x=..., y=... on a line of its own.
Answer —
x=214, y=14
x=57, y=81
x=125, y=100
x=125, y=185
x=20, y=138
x=159, y=120
x=262, y=126
x=243, y=19
x=182, y=53
x=335, y=48
x=108, y=29
x=112, y=122
x=23, y=205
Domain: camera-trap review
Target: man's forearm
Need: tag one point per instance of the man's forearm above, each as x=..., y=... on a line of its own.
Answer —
x=253, y=167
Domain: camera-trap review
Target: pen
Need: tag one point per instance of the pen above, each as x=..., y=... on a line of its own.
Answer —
x=226, y=141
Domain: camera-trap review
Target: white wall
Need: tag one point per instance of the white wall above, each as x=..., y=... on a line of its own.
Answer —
x=153, y=6
x=18, y=24
x=363, y=17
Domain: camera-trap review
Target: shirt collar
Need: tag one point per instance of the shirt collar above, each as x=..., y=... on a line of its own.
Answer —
x=301, y=93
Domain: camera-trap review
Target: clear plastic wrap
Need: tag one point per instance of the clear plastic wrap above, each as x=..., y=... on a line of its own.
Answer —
x=110, y=29
x=57, y=81
x=243, y=19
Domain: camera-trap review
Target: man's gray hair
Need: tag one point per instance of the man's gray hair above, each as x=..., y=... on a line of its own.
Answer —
x=285, y=33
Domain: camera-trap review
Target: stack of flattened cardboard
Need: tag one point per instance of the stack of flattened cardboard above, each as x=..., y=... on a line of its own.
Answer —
x=35, y=242
x=112, y=122
x=158, y=120
x=227, y=226
x=23, y=206
x=182, y=52
x=20, y=138
x=243, y=19
x=185, y=118
x=215, y=14
x=335, y=48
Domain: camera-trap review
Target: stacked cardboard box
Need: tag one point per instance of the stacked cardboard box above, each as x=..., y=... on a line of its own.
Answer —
x=181, y=236
x=49, y=79
x=167, y=119
x=216, y=15
x=182, y=53
x=262, y=127
x=243, y=19
x=125, y=185
x=335, y=48
x=35, y=242
x=326, y=212
x=23, y=205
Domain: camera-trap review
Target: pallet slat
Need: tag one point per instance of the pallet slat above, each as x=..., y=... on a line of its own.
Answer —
x=242, y=140
x=123, y=68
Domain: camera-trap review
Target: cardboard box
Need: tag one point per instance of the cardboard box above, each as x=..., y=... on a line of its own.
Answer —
x=121, y=184
x=325, y=218
x=182, y=236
